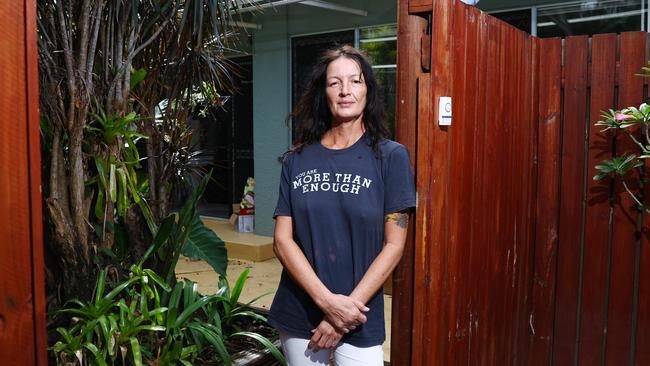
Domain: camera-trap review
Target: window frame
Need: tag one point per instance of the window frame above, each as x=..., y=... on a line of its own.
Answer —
x=534, y=16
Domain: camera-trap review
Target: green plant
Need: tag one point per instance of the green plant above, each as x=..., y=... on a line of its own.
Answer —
x=121, y=328
x=634, y=123
x=229, y=299
x=117, y=162
x=106, y=325
x=116, y=169
x=150, y=317
x=184, y=233
x=233, y=310
x=127, y=57
x=184, y=330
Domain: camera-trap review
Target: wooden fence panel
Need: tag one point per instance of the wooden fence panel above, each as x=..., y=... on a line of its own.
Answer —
x=593, y=312
x=489, y=196
x=478, y=93
x=423, y=338
x=478, y=205
x=642, y=344
x=461, y=174
x=431, y=299
x=520, y=256
x=641, y=350
x=22, y=289
x=525, y=214
x=411, y=29
x=572, y=180
x=547, y=201
x=622, y=270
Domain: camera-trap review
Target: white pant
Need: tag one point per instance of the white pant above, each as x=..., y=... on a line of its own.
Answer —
x=298, y=354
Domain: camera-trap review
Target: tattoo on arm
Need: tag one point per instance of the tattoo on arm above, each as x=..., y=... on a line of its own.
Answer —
x=400, y=219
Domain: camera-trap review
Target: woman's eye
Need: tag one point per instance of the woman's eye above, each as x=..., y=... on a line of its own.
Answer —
x=335, y=83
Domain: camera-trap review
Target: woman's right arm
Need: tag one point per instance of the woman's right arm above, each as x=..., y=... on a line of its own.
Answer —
x=342, y=311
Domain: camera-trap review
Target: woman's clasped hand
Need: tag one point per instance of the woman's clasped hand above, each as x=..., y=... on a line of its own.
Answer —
x=344, y=312
x=342, y=315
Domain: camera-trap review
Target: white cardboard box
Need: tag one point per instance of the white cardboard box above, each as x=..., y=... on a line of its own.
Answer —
x=246, y=223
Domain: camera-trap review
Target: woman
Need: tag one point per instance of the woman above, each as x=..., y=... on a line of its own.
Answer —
x=341, y=218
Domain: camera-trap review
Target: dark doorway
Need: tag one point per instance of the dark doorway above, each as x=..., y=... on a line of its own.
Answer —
x=228, y=139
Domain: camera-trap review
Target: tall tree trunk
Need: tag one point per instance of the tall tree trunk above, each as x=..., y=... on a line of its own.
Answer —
x=77, y=188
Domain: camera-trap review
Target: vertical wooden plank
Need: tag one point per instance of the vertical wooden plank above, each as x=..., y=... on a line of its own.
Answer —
x=460, y=166
x=504, y=134
x=491, y=271
x=501, y=136
x=431, y=331
x=513, y=239
x=642, y=344
x=17, y=328
x=642, y=336
x=572, y=180
x=593, y=310
x=410, y=31
x=547, y=201
x=521, y=178
x=34, y=143
x=467, y=128
x=490, y=201
x=477, y=258
x=529, y=180
x=621, y=288
x=526, y=179
x=422, y=337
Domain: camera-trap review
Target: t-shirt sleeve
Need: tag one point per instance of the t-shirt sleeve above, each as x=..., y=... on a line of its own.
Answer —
x=399, y=187
x=283, y=208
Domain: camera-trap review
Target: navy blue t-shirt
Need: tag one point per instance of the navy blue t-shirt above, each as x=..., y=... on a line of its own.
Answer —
x=337, y=200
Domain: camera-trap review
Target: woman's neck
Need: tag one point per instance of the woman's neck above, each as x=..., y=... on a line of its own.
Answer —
x=343, y=134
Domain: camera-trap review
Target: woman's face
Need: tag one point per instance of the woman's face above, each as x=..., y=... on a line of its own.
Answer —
x=346, y=90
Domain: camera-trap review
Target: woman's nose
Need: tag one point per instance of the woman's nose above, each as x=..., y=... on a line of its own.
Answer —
x=345, y=88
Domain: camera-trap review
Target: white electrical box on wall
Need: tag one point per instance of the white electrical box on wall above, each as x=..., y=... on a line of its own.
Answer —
x=444, y=111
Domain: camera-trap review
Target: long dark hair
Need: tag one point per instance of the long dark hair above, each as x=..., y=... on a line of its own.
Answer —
x=312, y=116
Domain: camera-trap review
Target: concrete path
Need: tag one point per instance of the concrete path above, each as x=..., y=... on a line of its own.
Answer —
x=263, y=277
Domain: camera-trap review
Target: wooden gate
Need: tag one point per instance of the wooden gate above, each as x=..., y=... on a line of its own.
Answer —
x=519, y=257
x=22, y=289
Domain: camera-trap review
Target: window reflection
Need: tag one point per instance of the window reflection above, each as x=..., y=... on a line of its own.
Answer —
x=590, y=17
x=380, y=44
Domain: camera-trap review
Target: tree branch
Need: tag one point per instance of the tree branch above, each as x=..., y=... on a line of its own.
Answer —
x=93, y=43
x=67, y=55
x=63, y=231
x=84, y=29
x=633, y=196
x=634, y=139
x=122, y=69
x=150, y=39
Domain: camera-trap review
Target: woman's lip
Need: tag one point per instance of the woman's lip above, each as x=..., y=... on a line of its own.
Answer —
x=345, y=103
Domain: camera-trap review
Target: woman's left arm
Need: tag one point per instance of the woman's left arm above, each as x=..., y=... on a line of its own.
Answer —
x=395, y=230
